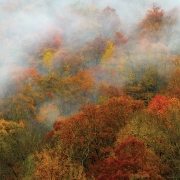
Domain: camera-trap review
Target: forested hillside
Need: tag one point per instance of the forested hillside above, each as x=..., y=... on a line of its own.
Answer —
x=89, y=90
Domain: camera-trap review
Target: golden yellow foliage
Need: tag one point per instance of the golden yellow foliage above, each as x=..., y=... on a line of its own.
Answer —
x=48, y=60
x=52, y=164
x=109, y=51
x=8, y=127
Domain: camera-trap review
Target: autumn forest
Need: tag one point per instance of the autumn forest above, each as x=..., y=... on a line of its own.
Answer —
x=89, y=90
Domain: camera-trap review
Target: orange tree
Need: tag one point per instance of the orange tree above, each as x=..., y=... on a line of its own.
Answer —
x=88, y=136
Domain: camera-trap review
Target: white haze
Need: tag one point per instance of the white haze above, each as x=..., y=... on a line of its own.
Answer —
x=25, y=22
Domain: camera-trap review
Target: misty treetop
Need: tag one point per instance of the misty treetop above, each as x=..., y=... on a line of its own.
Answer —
x=89, y=90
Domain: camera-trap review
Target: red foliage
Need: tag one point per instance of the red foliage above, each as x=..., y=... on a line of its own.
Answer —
x=31, y=73
x=55, y=35
x=21, y=75
x=110, y=91
x=52, y=41
x=94, y=50
x=119, y=39
x=131, y=159
x=159, y=104
x=153, y=23
x=90, y=134
x=154, y=15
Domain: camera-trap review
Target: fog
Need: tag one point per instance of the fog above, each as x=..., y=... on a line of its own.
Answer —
x=24, y=24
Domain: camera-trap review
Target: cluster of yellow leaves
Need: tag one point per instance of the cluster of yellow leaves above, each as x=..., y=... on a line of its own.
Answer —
x=109, y=51
x=7, y=127
x=48, y=60
x=52, y=164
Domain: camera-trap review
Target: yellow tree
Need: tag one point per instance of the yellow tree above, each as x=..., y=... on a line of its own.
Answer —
x=48, y=61
x=11, y=155
x=53, y=164
x=109, y=52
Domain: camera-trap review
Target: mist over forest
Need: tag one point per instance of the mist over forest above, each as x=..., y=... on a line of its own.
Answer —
x=89, y=89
